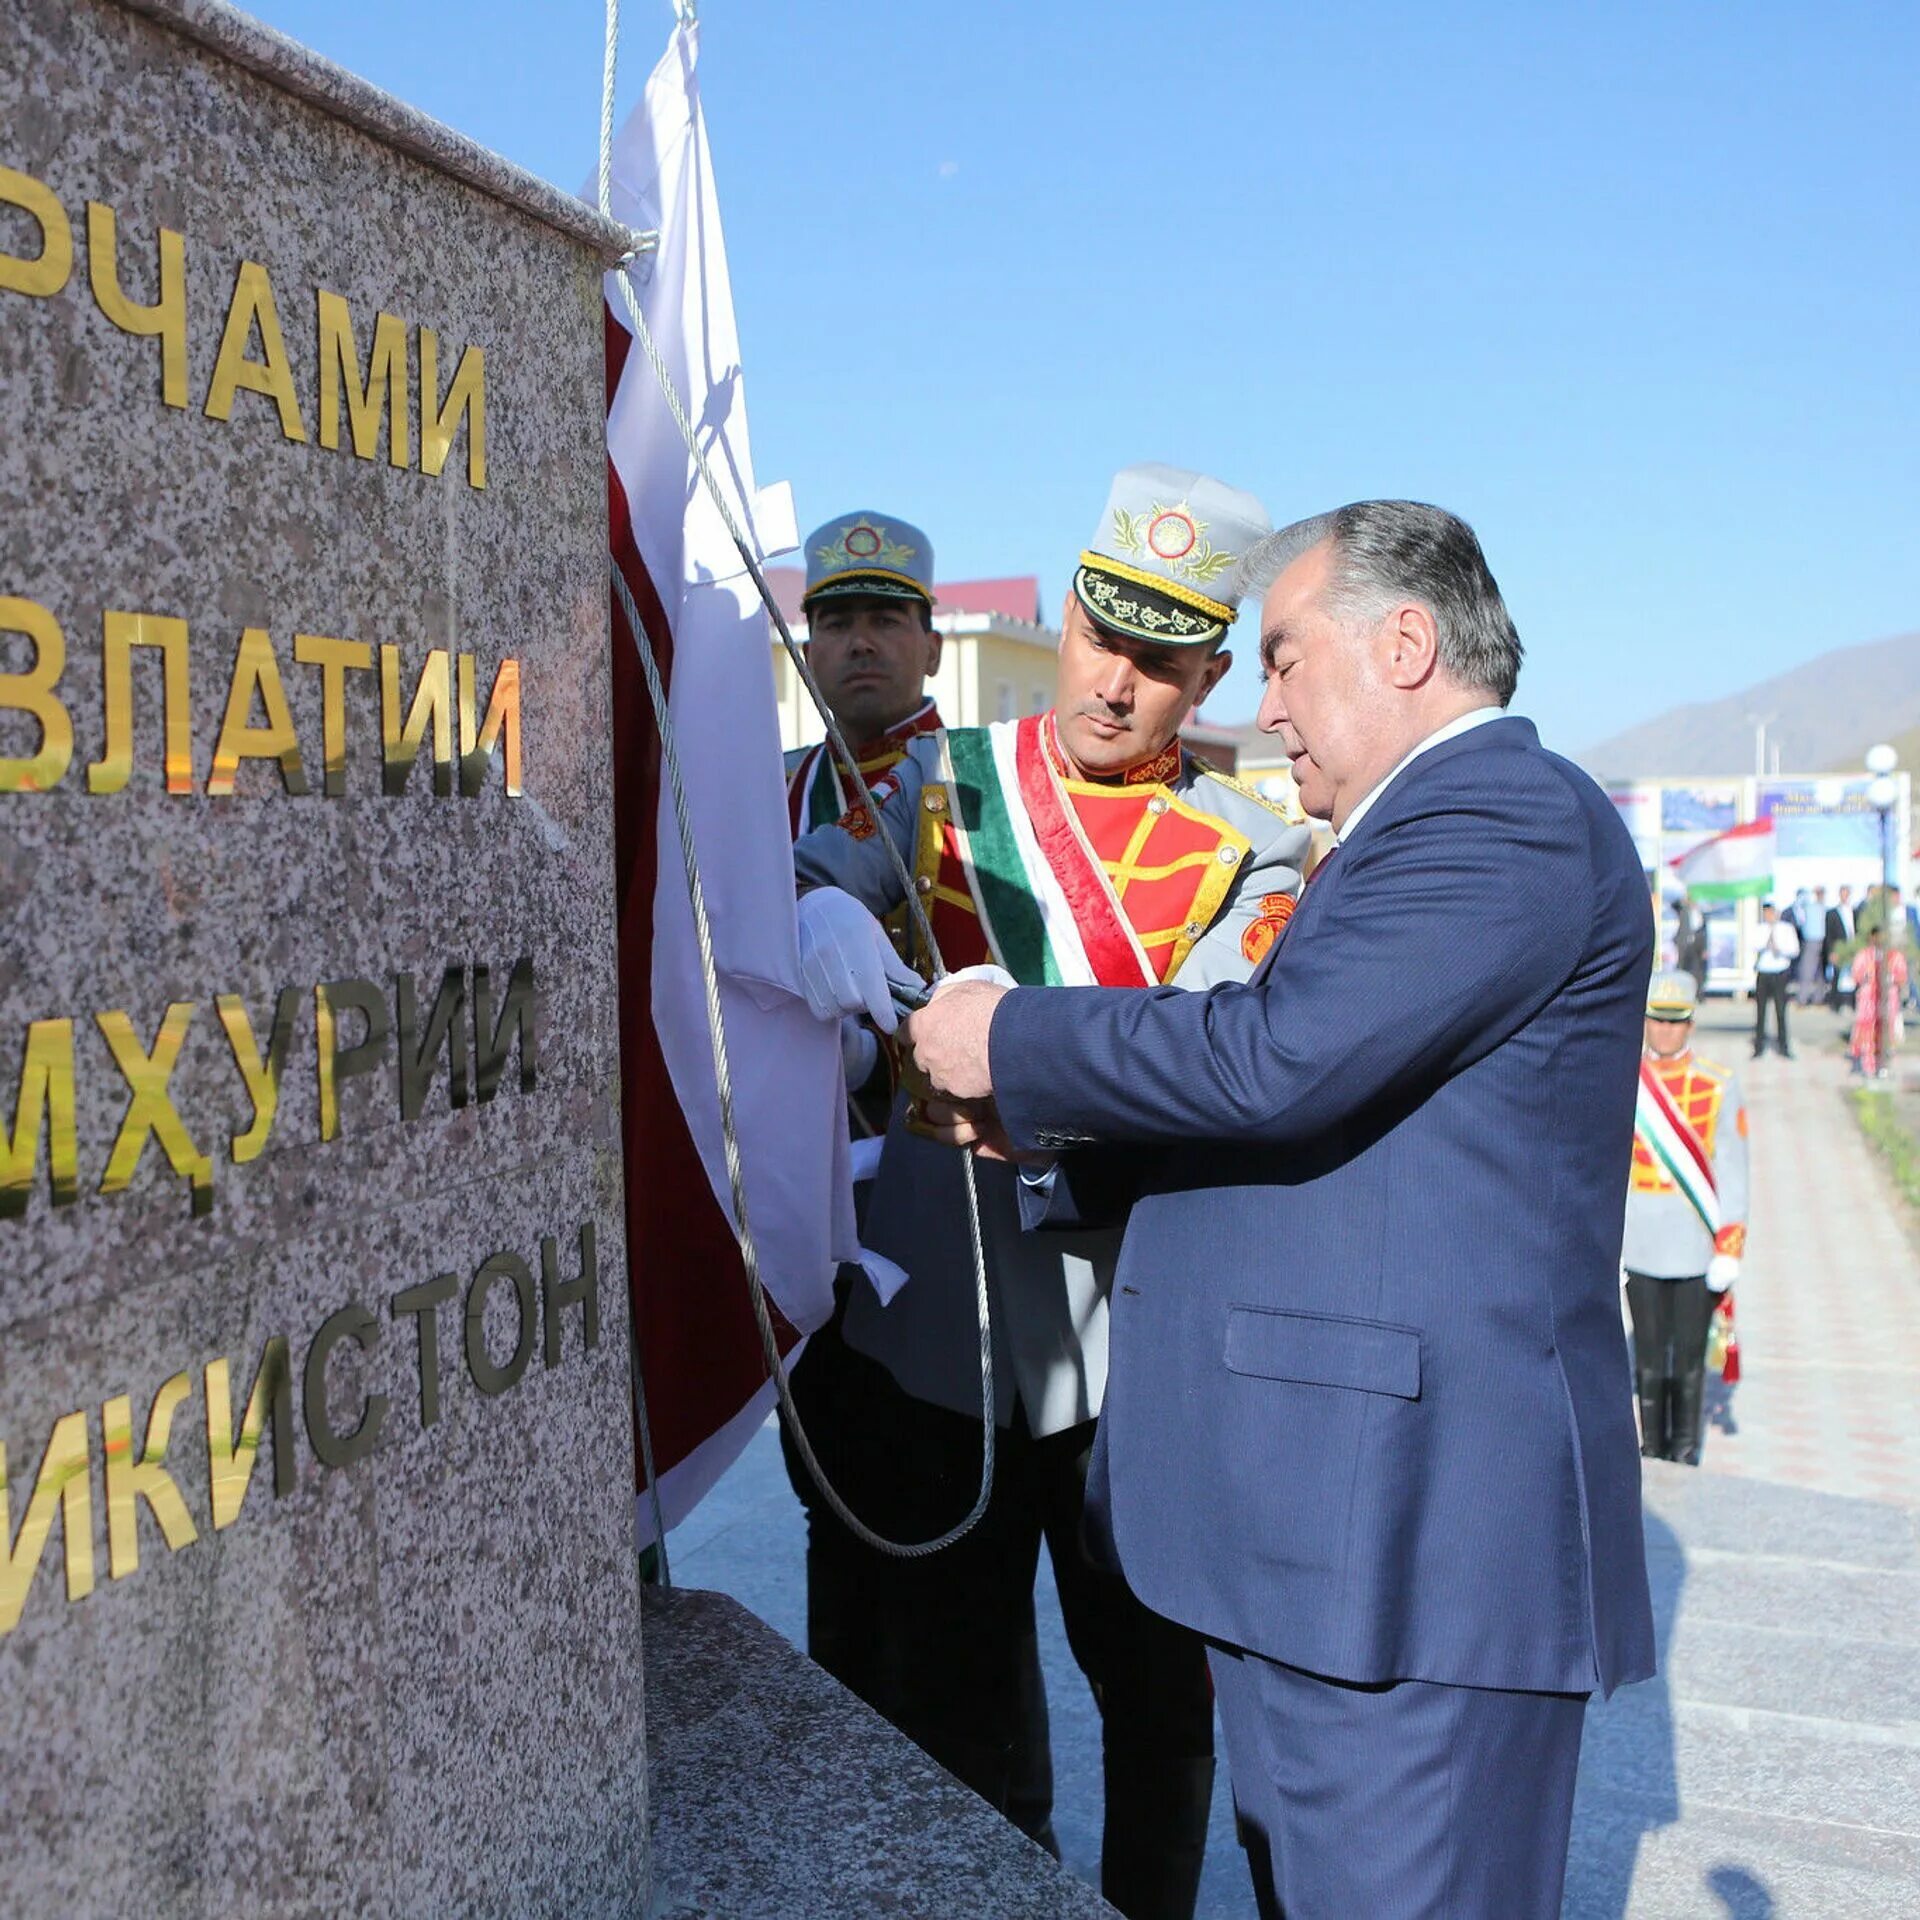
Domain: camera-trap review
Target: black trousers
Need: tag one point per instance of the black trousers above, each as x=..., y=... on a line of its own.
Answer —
x=1770, y=990
x=1671, y=1320
x=945, y=1646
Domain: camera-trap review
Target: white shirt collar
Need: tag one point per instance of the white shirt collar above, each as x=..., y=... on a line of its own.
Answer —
x=1464, y=723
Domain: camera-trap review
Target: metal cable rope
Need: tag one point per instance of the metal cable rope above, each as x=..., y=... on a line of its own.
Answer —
x=703, y=934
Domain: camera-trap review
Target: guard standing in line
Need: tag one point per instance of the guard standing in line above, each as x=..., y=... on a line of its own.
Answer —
x=1082, y=845
x=1686, y=1218
x=872, y=648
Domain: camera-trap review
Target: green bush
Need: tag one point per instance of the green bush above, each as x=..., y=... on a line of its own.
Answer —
x=1879, y=1118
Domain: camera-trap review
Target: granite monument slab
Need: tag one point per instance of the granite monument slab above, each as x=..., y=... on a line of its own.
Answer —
x=317, y=1573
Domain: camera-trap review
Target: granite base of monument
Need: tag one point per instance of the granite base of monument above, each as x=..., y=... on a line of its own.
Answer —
x=777, y=1795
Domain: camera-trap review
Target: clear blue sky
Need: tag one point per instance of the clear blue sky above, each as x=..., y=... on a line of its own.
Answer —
x=1636, y=289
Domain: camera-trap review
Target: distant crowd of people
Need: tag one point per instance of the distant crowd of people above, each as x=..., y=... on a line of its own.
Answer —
x=1686, y=1226
x=1856, y=958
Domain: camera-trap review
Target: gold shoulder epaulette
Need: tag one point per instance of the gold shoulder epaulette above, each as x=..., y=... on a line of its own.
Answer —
x=1712, y=1068
x=1289, y=814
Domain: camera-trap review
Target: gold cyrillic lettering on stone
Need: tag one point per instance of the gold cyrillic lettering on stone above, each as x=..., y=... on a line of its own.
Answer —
x=165, y=318
x=130, y=1481
x=234, y=371
x=47, y=271
x=120, y=634
x=64, y=1481
x=32, y=693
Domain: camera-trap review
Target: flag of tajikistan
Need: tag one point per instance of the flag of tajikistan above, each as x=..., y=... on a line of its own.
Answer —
x=1735, y=865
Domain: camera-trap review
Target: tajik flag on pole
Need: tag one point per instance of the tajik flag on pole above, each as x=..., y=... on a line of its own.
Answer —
x=1735, y=865
x=701, y=1361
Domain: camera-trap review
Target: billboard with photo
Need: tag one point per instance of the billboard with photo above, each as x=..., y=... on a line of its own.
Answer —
x=1826, y=832
x=1639, y=811
x=1690, y=813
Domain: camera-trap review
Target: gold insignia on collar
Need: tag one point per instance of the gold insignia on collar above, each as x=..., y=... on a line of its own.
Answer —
x=1172, y=536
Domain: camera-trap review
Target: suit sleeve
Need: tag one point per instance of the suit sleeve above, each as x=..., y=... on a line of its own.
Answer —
x=1730, y=1171
x=1446, y=932
x=1095, y=1188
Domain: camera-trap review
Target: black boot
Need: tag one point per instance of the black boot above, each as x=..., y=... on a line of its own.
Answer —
x=1688, y=1409
x=1155, y=1839
x=1652, y=1389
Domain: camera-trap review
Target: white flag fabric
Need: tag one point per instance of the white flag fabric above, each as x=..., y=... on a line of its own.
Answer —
x=788, y=1092
x=1735, y=865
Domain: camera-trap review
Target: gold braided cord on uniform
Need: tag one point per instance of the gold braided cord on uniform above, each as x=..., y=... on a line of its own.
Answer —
x=1159, y=583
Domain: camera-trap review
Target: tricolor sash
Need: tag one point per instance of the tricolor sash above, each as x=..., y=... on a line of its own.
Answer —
x=1046, y=906
x=816, y=794
x=1667, y=1135
x=813, y=795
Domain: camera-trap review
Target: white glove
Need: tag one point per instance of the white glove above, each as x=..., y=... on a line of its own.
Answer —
x=993, y=976
x=847, y=961
x=859, y=1051
x=1722, y=1271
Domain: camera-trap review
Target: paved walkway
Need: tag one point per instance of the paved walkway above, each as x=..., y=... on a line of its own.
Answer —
x=1773, y=1767
x=1829, y=1304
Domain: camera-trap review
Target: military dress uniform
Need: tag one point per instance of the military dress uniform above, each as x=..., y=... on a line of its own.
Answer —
x=1166, y=873
x=846, y=1399
x=818, y=790
x=1686, y=1230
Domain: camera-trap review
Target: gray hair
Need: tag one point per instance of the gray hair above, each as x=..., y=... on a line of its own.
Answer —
x=1386, y=551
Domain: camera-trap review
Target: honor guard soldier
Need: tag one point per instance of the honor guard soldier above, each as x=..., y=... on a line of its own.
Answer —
x=872, y=648
x=1082, y=845
x=1686, y=1217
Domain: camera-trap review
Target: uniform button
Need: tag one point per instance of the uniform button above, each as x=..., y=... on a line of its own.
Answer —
x=934, y=800
x=1193, y=929
x=1158, y=804
x=1228, y=855
x=923, y=885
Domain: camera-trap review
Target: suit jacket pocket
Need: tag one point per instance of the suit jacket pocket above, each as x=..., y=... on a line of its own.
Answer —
x=1324, y=1350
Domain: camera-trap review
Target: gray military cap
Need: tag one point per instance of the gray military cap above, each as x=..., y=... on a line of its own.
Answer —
x=869, y=553
x=1161, y=561
x=1672, y=995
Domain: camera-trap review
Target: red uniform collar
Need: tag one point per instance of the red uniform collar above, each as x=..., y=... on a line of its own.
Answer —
x=1158, y=769
x=924, y=719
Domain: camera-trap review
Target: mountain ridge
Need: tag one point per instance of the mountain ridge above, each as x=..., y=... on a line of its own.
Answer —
x=1822, y=714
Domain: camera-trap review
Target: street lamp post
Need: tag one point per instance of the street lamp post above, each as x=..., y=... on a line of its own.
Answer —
x=1883, y=793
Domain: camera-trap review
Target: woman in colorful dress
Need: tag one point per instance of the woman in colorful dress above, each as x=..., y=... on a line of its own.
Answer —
x=1879, y=987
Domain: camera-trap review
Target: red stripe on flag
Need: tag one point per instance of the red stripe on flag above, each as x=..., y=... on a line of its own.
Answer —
x=1749, y=830
x=698, y=1346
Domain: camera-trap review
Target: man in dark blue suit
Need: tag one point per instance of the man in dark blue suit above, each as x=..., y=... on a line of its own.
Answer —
x=1369, y=1423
